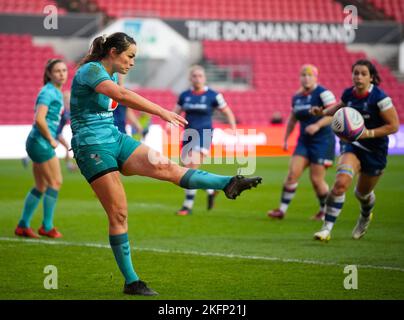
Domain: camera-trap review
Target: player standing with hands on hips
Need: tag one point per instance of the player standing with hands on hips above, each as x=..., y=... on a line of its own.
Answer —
x=367, y=156
x=102, y=151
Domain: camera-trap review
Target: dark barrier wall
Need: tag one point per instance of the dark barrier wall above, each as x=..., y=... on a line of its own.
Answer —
x=79, y=25
x=367, y=32
x=85, y=25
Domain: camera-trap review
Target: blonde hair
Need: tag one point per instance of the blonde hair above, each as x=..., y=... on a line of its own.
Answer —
x=310, y=68
x=196, y=67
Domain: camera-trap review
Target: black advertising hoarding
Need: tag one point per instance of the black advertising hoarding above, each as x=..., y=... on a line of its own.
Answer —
x=79, y=25
x=227, y=30
x=85, y=25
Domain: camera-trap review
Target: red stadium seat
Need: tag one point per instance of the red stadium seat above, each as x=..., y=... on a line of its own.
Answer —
x=275, y=74
x=27, y=6
x=270, y=10
x=392, y=8
x=274, y=77
x=19, y=86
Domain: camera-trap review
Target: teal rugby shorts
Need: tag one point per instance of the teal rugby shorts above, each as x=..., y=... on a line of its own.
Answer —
x=39, y=150
x=97, y=160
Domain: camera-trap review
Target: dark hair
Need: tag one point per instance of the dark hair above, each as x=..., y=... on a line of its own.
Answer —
x=48, y=69
x=372, y=70
x=102, y=44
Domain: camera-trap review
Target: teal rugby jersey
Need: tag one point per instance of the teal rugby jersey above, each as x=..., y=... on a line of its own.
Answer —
x=92, y=120
x=51, y=97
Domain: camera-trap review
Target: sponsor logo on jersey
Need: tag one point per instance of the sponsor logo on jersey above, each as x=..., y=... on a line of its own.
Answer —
x=112, y=105
x=106, y=114
x=299, y=107
x=195, y=106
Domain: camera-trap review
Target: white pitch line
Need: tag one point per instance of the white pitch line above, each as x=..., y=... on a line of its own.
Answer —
x=201, y=253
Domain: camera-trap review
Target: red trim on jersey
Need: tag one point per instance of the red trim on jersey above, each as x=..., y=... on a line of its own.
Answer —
x=330, y=105
x=361, y=96
x=198, y=93
x=307, y=93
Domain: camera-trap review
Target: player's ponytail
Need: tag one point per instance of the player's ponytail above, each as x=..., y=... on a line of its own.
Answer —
x=102, y=45
x=372, y=70
x=48, y=69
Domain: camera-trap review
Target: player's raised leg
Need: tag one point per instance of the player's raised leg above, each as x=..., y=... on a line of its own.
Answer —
x=147, y=162
x=317, y=177
x=110, y=192
x=346, y=169
x=296, y=167
x=191, y=160
x=367, y=198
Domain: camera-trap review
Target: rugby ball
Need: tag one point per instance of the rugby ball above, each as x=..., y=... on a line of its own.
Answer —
x=348, y=124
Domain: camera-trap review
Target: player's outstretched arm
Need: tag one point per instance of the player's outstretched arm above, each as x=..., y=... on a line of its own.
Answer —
x=323, y=122
x=320, y=111
x=133, y=100
x=391, y=125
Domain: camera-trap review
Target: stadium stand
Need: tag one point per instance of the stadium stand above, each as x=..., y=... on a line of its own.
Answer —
x=22, y=77
x=274, y=65
x=392, y=8
x=27, y=6
x=275, y=10
x=275, y=74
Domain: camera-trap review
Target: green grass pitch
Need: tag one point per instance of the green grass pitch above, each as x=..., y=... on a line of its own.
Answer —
x=232, y=252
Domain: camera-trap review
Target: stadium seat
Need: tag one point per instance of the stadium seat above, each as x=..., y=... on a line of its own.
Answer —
x=274, y=78
x=271, y=10
x=27, y=6
x=20, y=85
x=275, y=74
x=392, y=8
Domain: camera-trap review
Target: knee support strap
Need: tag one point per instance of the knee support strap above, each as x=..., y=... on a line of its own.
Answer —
x=345, y=169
